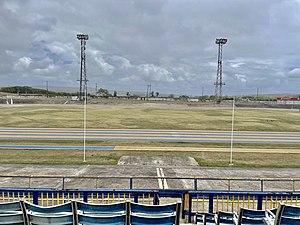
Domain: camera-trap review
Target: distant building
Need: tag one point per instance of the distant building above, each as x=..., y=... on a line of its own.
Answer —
x=288, y=101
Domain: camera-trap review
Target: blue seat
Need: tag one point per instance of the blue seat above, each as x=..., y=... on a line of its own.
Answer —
x=224, y=218
x=209, y=219
x=51, y=219
x=66, y=208
x=248, y=217
x=87, y=219
x=16, y=218
x=11, y=207
x=12, y=213
x=111, y=209
x=62, y=214
x=285, y=214
x=147, y=220
x=167, y=211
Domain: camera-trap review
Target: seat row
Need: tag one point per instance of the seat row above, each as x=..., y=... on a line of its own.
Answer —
x=282, y=215
x=77, y=212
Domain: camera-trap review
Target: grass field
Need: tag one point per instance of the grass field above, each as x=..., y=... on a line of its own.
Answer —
x=151, y=117
x=135, y=117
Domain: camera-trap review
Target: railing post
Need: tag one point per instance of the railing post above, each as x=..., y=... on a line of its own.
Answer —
x=259, y=201
x=63, y=183
x=195, y=184
x=35, y=196
x=136, y=197
x=85, y=196
x=190, y=208
x=211, y=203
x=130, y=183
x=229, y=184
x=29, y=181
x=261, y=185
x=293, y=185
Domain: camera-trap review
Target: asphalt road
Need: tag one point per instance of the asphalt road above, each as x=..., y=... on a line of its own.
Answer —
x=150, y=135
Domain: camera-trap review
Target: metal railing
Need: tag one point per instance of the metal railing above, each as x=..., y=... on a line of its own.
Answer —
x=150, y=182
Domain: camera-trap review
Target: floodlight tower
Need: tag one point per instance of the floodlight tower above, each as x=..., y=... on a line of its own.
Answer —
x=219, y=83
x=83, y=38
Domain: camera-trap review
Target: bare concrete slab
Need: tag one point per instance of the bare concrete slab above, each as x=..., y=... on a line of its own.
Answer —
x=157, y=161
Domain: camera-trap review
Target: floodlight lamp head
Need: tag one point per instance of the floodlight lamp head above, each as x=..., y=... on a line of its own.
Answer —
x=82, y=37
x=221, y=41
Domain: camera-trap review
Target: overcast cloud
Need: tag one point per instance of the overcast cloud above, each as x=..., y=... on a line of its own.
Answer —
x=168, y=43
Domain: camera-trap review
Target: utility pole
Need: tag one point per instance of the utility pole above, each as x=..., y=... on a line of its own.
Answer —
x=202, y=92
x=96, y=90
x=257, y=93
x=83, y=79
x=219, y=83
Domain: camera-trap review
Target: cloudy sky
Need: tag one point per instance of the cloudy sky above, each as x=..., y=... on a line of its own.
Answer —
x=168, y=43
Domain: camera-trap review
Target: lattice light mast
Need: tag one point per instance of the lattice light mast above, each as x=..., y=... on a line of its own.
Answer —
x=219, y=83
x=83, y=79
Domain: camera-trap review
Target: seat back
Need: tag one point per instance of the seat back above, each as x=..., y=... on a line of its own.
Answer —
x=10, y=206
x=288, y=220
x=208, y=218
x=113, y=208
x=137, y=208
x=16, y=218
x=286, y=211
x=47, y=219
x=250, y=216
x=173, y=209
x=57, y=209
x=87, y=219
x=145, y=220
x=224, y=217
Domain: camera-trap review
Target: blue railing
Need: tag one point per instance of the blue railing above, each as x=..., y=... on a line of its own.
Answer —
x=192, y=201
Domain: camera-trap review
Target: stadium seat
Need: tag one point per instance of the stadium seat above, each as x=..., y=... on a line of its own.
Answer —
x=249, y=216
x=62, y=214
x=285, y=214
x=51, y=219
x=102, y=209
x=15, y=206
x=168, y=213
x=12, y=213
x=16, y=218
x=147, y=220
x=87, y=219
x=224, y=218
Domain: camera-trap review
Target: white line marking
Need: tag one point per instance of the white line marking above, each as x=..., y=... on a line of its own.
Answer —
x=162, y=183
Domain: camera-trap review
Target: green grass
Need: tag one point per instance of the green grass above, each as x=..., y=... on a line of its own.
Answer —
x=137, y=117
x=112, y=157
x=131, y=117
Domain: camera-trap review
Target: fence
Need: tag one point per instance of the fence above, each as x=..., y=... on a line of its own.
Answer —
x=148, y=182
x=192, y=201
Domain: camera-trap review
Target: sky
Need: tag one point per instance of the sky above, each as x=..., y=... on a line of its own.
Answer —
x=169, y=44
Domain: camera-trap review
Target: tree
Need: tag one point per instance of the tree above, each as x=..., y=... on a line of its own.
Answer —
x=152, y=94
x=171, y=96
x=157, y=94
x=103, y=93
x=115, y=94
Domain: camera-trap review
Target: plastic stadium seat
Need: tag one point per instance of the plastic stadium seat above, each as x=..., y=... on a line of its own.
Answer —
x=16, y=218
x=47, y=219
x=142, y=209
x=248, y=217
x=285, y=214
x=142, y=214
x=11, y=206
x=224, y=218
x=86, y=219
x=62, y=214
x=147, y=220
x=102, y=209
x=66, y=208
